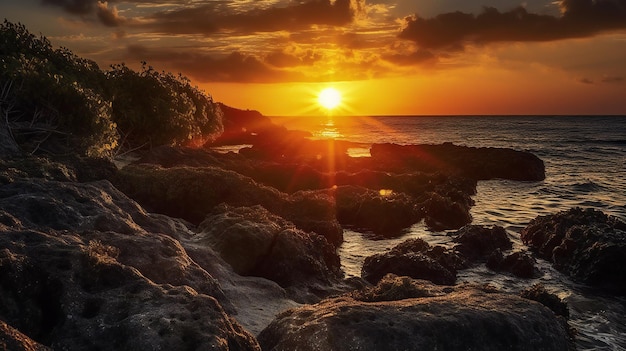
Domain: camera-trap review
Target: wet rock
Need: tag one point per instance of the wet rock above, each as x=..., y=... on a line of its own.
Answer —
x=393, y=288
x=586, y=244
x=460, y=318
x=256, y=242
x=11, y=339
x=478, y=242
x=475, y=163
x=383, y=212
x=539, y=293
x=191, y=193
x=444, y=213
x=416, y=259
x=519, y=263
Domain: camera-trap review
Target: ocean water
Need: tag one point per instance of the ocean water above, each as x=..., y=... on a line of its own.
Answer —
x=585, y=159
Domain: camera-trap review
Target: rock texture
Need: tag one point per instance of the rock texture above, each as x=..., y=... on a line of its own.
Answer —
x=477, y=242
x=417, y=259
x=475, y=163
x=193, y=192
x=586, y=244
x=12, y=340
x=460, y=318
x=258, y=243
x=84, y=267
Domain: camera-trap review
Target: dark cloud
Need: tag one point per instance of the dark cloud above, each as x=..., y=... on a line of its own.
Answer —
x=586, y=81
x=580, y=18
x=235, y=67
x=612, y=79
x=75, y=7
x=208, y=18
x=283, y=59
x=109, y=16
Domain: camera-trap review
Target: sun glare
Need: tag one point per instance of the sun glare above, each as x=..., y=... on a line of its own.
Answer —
x=329, y=98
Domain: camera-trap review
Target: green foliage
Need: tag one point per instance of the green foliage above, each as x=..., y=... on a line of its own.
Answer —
x=159, y=108
x=56, y=102
x=53, y=100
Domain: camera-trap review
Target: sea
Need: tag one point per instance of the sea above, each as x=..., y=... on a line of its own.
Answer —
x=585, y=160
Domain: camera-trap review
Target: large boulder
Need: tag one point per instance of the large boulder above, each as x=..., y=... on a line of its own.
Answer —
x=518, y=263
x=476, y=163
x=424, y=318
x=586, y=244
x=255, y=242
x=417, y=259
x=84, y=267
x=193, y=192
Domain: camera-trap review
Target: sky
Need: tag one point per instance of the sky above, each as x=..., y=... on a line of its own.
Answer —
x=385, y=57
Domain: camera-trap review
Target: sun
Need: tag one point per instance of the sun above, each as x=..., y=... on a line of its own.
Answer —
x=329, y=98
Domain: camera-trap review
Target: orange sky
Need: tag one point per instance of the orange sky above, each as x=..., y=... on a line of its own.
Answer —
x=386, y=57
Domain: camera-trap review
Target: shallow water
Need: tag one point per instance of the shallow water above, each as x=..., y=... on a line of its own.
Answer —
x=585, y=159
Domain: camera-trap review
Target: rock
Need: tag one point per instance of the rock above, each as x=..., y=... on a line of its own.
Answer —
x=255, y=242
x=393, y=288
x=460, y=318
x=416, y=259
x=477, y=241
x=383, y=212
x=443, y=213
x=84, y=267
x=11, y=339
x=476, y=163
x=586, y=244
x=192, y=192
x=539, y=293
x=519, y=263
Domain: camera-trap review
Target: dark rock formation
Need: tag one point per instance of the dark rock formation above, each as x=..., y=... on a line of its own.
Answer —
x=255, y=242
x=84, y=267
x=417, y=259
x=461, y=318
x=383, y=212
x=519, y=263
x=539, y=293
x=191, y=193
x=475, y=163
x=586, y=244
x=478, y=242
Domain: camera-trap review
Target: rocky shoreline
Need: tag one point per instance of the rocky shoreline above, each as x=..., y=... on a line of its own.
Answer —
x=191, y=249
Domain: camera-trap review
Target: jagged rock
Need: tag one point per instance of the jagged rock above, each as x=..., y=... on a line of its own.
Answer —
x=460, y=318
x=586, y=244
x=519, y=263
x=383, y=212
x=539, y=293
x=12, y=340
x=192, y=193
x=256, y=242
x=444, y=213
x=476, y=163
x=84, y=267
x=416, y=259
x=478, y=242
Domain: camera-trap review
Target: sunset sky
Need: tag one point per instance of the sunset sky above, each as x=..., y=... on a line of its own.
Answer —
x=386, y=57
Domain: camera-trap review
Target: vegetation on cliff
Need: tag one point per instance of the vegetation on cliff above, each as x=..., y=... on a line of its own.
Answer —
x=52, y=101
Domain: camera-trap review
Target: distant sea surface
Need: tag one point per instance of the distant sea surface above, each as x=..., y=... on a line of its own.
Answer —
x=585, y=159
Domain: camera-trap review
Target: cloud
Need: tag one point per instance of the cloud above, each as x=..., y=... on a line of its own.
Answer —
x=586, y=81
x=75, y=7
x=110, y=17
x=209, y=18
x=406, y=59
x=579, y=18
x=292, y=58
x=612, y=79
x=234, y=67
